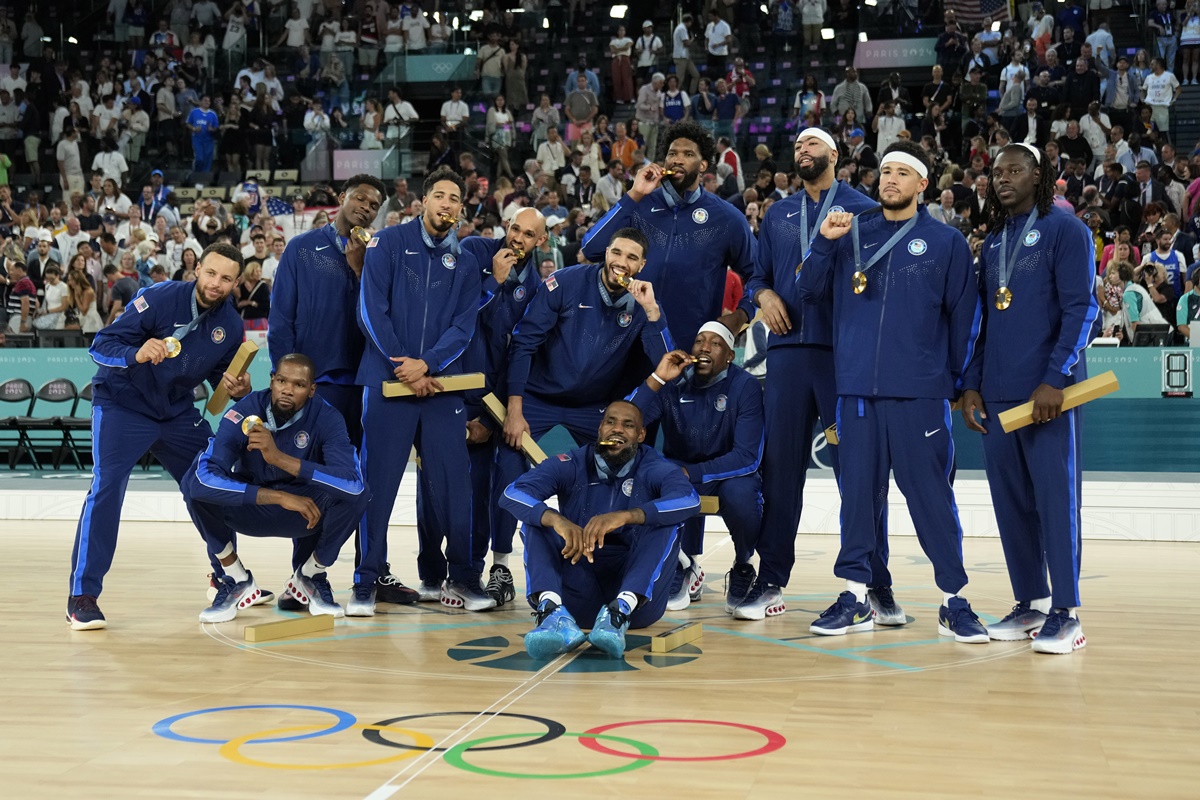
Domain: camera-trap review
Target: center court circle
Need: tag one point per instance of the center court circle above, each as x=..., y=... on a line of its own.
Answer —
x=344, y=720
x=774, y=740
x=454, y=757
x=553, y=730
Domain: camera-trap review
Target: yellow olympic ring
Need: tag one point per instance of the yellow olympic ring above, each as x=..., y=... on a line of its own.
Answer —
x=232, y=749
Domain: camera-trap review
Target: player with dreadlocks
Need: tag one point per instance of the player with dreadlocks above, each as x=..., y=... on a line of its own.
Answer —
x=1036, y=269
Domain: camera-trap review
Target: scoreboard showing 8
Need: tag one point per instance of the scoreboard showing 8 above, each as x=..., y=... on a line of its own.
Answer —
x=1177, y=373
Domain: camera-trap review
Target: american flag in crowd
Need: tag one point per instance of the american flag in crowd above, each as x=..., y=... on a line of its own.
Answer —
x=971, y=12
x=277, y=207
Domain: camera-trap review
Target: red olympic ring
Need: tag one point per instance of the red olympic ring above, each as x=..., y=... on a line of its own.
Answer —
x=774, y=740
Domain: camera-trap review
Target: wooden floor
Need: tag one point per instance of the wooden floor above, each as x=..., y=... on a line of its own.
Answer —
x=755, y=709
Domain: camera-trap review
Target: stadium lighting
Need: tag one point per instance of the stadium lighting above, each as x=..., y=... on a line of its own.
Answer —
x=546, y=24
x=618, y=12
x=995, y=26
x=72, y=40
x=871, y=3
x=45, y=38
x=827, y=33
x=454, y=23
x=764, y=9
x=475, y=16
x=862, y=36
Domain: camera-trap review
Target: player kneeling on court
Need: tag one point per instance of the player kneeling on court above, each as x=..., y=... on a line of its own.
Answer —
x=611, y=552
x=281, y=465
x=712, y=423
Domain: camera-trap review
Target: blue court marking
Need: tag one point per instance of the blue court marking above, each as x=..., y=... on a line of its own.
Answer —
x=344, y=720
x=446, y=626
x=939, y=640
x=819, y=650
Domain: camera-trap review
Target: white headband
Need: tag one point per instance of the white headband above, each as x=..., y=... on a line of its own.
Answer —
x=817, y=133
x=1037, y=154
x=909, y=161
x=719, y=330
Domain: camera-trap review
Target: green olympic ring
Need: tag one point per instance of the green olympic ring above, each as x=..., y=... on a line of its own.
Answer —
x=455, y=757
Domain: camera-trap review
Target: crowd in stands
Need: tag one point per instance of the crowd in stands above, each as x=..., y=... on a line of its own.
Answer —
x=180, y=91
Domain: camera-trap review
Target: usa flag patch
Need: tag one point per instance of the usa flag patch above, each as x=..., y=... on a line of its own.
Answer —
x=552, y=283
x=233, y=416
x=564, y=456
x=140, y=304
x=374, y=241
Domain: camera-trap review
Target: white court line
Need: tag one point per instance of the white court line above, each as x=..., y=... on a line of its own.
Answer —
x=431, y=757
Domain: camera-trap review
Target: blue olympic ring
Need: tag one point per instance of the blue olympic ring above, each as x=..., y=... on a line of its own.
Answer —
x=344, y=720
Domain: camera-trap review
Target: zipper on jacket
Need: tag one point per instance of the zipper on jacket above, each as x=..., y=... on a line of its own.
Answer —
x=887, y=279
x=425, y=318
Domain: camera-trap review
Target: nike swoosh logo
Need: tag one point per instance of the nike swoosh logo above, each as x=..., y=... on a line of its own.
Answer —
x=458, y=411
x=581, y=305
x=686, y=400
x=995, y=245
x=869, y=246
x=931, y=433
x=322, y=247
x=861, y=618
x=656, y=209
x=794, y=213
x=411, y=253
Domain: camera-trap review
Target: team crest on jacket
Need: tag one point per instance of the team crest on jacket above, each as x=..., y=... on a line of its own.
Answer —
x=917, y=247
x=627, y=487
x=837, y=210
x=448, y=261
x=624, y=318
x=700, y=216
x=218, y=335
x=722, y=402
x=301, y=439
x=1032, y=237
x=519, y=294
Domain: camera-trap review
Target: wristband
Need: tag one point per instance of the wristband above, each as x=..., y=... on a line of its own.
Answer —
x=661, y=382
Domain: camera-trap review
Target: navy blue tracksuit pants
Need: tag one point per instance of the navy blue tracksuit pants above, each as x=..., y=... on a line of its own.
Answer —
x=437, y=425
x=1035, y=476
x=120, y=437
x=339, y=517
x=800, y=392
x=582, y=423
x=640, y=560
x=912, y=439
x=431, y=563
x=741, y=508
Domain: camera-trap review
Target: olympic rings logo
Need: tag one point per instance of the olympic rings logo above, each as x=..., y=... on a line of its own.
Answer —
x=598, y=739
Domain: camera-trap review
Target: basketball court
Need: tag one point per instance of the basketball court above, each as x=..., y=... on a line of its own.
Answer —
x=425, y=701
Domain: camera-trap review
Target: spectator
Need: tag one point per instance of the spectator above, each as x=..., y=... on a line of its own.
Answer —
x=233, y=139
x=253, y=298
x=727, y=110
x=489, y=65
x=717, y=38
x=620, y=49
x=552, y=153
x=316, y=121
x=398, y=119
x=22, y=302
x=581, y=108
x=851, y=94
x=454, y=114
x=612, y=185
x=809, y=99
x=372, y=125
x=647, y=51
x=951, y=47
x=812, y=17
x=1171, y=272
x=1161, y=89
x=515, y=64
x=416, y=26
x=1166, y=37
x=681, y=42
x=649, y=111
x=499, y=129
x=1189, y=43
x=704, y=106
x=887, y=124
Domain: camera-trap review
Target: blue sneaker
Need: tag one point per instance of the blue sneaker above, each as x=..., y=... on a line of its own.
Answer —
x=847, y=615
x=232, y=596
x=738, y=583
x=84, y=614
x=1023, y=622
x=958, y=620
x=608, y=631
x=556, y=633
x=1062, y=634
x=316, y=593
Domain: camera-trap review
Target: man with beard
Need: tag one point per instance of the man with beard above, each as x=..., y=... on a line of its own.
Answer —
x=1039, y=312
x=712, y=424
x=693, y=235
x=314, y=309
x=508, y=280
x=906, y=311
x=800, y=390
x=569, y=350
x=294, y=475
x=144, y=401
x=417, y=309
x=609, y=566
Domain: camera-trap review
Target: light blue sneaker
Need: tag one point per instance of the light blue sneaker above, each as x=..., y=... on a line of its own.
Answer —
x=608, y=631
x=556, y=633
x=231, y=598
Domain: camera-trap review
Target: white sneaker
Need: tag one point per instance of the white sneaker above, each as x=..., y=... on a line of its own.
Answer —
x=362, y=601
x=232, y=597
x=471, y=597
x=429, y=592
x=317, y=593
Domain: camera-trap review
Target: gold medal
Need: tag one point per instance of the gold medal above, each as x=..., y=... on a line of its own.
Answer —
x=250, y=423
x=517, y=251
x=859, y=282
x=174, y=346
x=448, y=218
x=607, y=443
x=623, y=281
x=1003, y=298
x=799, y=267
x=668, y=173
x=360, y=233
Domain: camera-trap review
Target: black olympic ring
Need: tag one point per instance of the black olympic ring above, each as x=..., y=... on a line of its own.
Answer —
x=553, y=730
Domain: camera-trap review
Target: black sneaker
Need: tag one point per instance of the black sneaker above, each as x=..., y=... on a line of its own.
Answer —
x=389, y=589
x=500, y=585
x=739, y=581
x=84, y=614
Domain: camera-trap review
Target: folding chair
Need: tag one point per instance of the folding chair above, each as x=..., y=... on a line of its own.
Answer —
x=75, y=426
x=58, y=390
x=17, y=390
